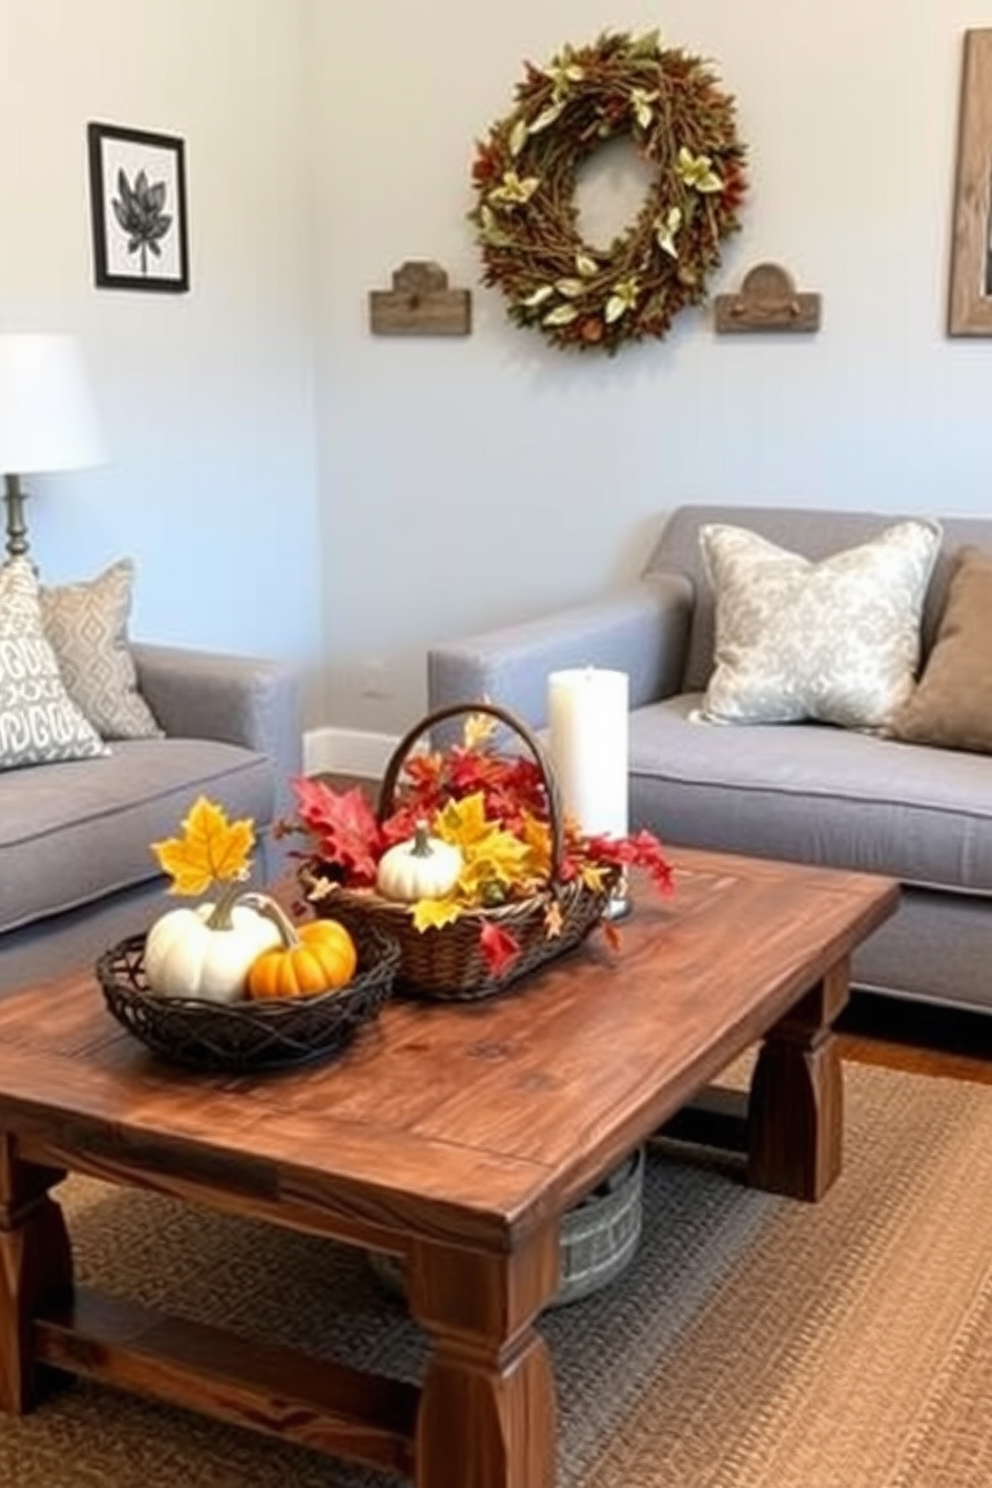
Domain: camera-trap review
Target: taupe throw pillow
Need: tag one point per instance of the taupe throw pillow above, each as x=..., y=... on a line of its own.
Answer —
x=837, y=640
x=952, y=704
x=39, y=722
x=86, y=624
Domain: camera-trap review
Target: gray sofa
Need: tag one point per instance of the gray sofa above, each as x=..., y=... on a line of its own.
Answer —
x=76, y=872
x=801, y=791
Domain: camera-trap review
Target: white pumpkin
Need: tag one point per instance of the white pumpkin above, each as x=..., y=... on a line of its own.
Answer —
x=425, y=867
x=187, y=957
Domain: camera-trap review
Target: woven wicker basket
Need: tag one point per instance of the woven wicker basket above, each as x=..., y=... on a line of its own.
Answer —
x=245, y=1036
x=448, y=962
x=598, y=1237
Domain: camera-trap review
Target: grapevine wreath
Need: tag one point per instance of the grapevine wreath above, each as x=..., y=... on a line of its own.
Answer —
x=524, y=175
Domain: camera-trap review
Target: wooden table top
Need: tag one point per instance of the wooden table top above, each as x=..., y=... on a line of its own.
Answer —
x=457, y=1118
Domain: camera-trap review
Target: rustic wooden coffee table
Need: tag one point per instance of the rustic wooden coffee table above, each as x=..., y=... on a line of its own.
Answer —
x=455, y=1136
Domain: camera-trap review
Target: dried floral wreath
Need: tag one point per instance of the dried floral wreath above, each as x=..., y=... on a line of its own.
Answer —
x=526, y=216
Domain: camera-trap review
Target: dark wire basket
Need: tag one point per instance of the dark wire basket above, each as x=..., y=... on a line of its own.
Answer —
x=271, y=1033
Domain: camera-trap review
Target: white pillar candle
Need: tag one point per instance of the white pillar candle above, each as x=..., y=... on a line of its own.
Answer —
x=588, y=711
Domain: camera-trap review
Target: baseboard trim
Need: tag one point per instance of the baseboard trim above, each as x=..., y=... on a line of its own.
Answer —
x=347, y=752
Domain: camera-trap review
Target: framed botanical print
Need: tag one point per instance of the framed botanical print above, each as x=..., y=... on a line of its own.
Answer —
x=138, y=205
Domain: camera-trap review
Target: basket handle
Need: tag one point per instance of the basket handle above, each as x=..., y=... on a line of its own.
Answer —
x=517, y=726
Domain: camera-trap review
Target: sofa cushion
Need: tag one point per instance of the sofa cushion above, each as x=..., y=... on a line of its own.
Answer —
x=814, y=794
x=837, y=640
x=39, y=722
x=86, y=624
x=952, y=704
x=71, y=833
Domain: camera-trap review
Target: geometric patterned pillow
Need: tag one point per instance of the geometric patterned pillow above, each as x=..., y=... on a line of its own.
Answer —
x=837, y=640
x=39, y=722
x=86, y=626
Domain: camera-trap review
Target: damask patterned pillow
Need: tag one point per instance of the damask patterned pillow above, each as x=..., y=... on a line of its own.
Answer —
x=86, y=624
x=39, y=722
x=837, y=641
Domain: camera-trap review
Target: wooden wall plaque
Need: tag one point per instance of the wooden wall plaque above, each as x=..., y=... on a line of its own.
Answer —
x=767, y=301
x=970, y=301
x=420, y=304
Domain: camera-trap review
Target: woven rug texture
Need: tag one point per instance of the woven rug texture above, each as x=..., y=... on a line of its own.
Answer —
x=754, y=1342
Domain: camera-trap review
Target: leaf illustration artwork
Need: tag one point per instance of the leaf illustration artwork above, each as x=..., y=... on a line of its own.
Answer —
x=140, y=213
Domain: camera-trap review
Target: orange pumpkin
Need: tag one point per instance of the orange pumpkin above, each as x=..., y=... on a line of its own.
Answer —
x=318, y=956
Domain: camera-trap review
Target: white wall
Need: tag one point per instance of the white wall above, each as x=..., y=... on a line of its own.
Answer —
x=288, y=483
x=206, y=397
x=481, y=480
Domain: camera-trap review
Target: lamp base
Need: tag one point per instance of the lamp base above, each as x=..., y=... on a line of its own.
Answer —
x=17, y=532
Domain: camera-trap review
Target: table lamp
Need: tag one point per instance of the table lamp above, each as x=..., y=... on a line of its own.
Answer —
x=48, y=420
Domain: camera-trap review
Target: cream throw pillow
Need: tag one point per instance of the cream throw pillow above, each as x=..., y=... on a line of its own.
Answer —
x=39, y=722
x=837, y=641
x=952, y=704
x=86, y=625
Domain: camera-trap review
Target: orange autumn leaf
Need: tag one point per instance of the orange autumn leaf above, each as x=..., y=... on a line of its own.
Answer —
x=211, y=849
x=612, y=934
x=553, y=920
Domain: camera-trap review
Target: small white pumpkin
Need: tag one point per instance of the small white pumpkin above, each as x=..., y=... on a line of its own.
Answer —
x=424, y=867
x=206, y=952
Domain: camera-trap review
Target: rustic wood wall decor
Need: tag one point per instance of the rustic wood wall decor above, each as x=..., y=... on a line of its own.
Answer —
x=767, y=301
x=420, y=304
x=970, y=306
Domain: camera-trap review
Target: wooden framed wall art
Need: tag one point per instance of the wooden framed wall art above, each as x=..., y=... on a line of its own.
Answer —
x=970, y=303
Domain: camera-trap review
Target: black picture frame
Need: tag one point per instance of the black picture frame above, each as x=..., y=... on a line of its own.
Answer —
x=138, y=209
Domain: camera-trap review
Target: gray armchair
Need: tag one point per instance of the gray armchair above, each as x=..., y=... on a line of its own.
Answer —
x=808, y=792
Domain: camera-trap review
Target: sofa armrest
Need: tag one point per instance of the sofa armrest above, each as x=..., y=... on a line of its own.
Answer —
x=246, y=700
x=642, y=631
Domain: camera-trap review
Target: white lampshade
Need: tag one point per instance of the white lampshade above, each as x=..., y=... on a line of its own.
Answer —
x=48, y=420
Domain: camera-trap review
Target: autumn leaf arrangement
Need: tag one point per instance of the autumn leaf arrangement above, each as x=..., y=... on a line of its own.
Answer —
x=682, y=125
x=467, y=834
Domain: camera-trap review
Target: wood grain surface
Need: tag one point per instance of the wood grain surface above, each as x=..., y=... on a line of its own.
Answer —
x=454, y=1135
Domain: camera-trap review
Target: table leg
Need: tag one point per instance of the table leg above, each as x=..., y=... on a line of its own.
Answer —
x=487, y=1415
x=795, y=1110
x=35, y=1269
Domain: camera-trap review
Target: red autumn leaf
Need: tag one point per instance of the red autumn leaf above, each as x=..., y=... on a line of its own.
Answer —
x=343, y=827
x=425, y=772
x=499, y=947
x=642, y=850
x=469, y=772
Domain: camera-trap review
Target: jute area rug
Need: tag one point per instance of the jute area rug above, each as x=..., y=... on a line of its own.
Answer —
x=753, y=1343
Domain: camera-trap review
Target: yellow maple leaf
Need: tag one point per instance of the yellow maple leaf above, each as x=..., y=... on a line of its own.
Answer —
x=210, y=850
x=478, y=730
x=594, y=876
x=435, y=912
x=464, y=823
x=499, y=857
